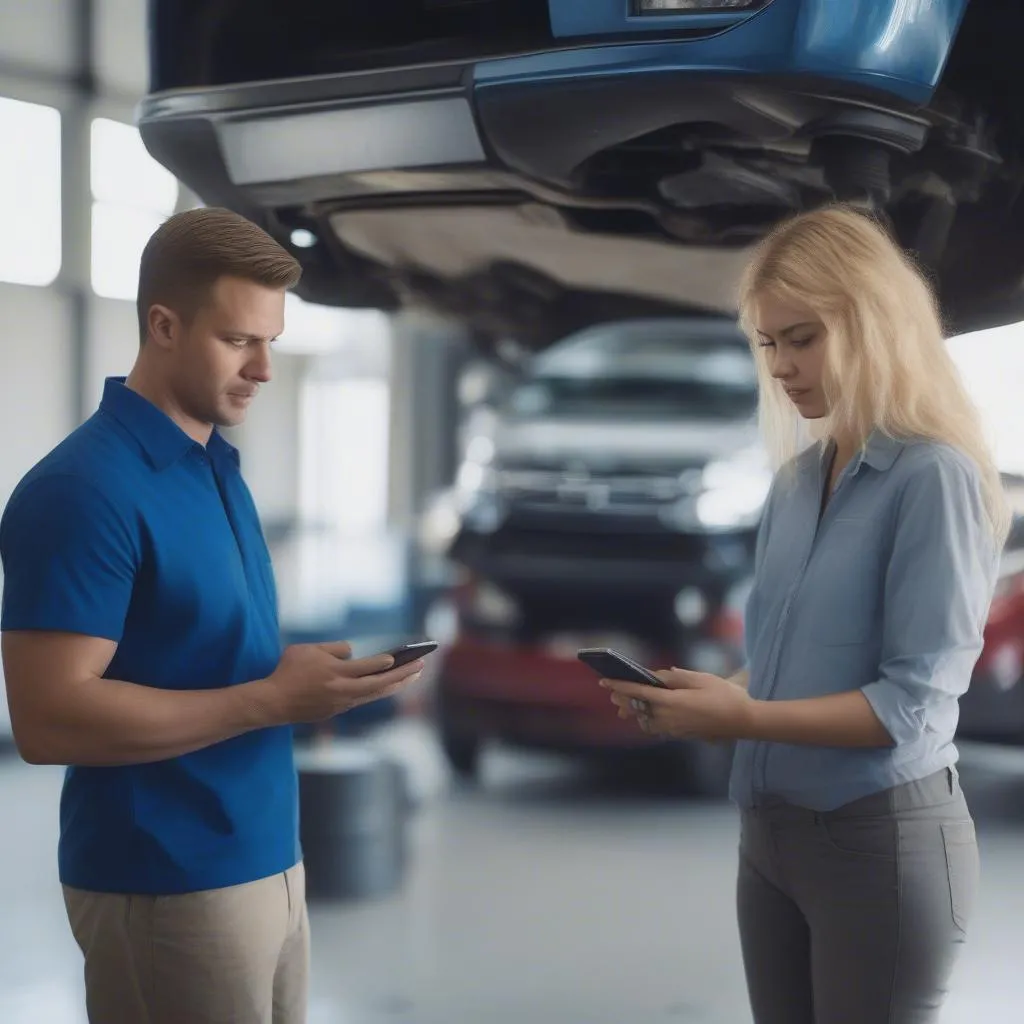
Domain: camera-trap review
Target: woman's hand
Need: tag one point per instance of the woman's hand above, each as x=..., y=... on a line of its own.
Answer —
x=695, y=704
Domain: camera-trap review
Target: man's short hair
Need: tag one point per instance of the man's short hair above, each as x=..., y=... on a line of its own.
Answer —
x=191, y=251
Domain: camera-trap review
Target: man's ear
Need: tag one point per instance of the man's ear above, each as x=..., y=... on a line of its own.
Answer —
x=163, y=326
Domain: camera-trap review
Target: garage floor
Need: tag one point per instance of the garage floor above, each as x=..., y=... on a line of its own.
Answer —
x=550, y=894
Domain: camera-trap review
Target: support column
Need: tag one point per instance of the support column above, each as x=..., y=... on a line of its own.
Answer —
x=76, y=204
x=425, y=361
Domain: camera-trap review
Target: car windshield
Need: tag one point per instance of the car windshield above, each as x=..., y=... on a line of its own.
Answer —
x=653, y=370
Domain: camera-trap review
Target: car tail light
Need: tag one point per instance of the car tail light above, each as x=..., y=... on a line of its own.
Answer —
x=1010, y=581
x=726, y=625
x=683, y=6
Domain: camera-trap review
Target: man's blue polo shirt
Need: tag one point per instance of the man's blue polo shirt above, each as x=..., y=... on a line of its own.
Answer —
x=132, y=531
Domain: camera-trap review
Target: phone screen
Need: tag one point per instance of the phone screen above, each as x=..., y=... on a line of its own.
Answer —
x=410, y=652
x=611, y=664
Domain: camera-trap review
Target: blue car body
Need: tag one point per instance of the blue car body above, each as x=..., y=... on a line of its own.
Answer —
x=530, y=167
x=884, y=44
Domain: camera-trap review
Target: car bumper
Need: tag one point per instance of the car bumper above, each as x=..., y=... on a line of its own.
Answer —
x=992, y=710
x=531, y=697
x=458, y=115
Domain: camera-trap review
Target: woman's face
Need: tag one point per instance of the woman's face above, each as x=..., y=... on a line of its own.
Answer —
x=793, y=341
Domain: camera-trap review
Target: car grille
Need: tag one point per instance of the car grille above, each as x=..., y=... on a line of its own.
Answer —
x=593, y=500
x=534, y=543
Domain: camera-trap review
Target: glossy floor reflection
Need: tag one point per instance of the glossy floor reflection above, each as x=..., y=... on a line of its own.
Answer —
x=550, y=894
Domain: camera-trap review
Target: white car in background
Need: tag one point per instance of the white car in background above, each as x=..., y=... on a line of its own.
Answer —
x=610, y=499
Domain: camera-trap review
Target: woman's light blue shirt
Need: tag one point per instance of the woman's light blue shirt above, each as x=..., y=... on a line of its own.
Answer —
x=888, y=595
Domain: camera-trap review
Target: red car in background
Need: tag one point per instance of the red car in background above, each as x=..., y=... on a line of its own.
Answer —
x=993, y=708
x=533, y=692
x=612, y=502
x=511, y=673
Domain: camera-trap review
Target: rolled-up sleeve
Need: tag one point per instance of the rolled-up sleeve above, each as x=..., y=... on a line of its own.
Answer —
x=938, y=588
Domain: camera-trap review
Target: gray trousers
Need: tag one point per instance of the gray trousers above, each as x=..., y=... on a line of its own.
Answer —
x=856, y=916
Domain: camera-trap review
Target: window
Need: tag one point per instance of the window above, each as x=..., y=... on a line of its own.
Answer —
x=361, y=335
x=30, y=202
x=132, y=196
x=343, y=440
x=991, y=364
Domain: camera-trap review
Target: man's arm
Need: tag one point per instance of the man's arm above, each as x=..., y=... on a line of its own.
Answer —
x=71, y=556
x=64, y=712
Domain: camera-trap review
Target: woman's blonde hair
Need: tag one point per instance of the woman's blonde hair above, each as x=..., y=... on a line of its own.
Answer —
x=887, y=367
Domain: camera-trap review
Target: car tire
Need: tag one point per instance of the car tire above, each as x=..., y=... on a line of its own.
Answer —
x=462, y=754
x=701, y=769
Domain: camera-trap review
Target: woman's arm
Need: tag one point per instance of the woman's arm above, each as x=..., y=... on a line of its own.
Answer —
x=938, y=586
x=741, y=679
x=838, y=720
x=709, y=707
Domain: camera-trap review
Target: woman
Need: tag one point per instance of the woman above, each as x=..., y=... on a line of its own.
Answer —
x=875, y=566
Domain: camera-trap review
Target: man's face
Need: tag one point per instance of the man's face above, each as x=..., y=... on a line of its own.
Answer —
x=223, y=355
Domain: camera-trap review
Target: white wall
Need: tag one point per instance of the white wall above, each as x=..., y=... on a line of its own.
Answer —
x=269, y=441
x=35, y=390
x=992, y=365
x=35, y=379
x=113, y=342
x=120, y=40
x=38, y=34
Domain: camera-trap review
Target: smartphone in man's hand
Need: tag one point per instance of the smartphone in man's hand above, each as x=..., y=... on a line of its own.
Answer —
x=405, y=653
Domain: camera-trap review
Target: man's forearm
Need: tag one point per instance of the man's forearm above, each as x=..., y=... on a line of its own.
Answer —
x=107, y=722
x=838, y=720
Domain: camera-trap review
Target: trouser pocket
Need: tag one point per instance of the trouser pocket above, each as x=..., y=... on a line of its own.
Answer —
x=963, y=869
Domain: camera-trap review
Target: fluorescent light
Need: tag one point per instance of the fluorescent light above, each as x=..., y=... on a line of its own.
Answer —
x=313, y=329
x=124, y=174
x=669, y=6
x=30, y=193
x=387, y=136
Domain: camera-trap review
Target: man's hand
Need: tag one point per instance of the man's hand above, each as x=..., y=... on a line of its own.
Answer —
x=313, y=682
x=696, y=704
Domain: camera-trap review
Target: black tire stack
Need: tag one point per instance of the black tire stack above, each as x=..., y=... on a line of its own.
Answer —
x=353, y=806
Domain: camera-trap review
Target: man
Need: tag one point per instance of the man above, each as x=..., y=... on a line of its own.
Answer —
x=141, y=648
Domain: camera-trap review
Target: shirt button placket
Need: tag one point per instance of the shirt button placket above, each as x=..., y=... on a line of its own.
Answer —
x=776, y=656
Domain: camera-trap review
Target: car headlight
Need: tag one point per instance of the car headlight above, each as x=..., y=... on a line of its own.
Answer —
x=473, y=479
x=491, y=606
x=480, y=507
x=690, y=606
x=728, y=495
x=439, y=524
x=733, y=501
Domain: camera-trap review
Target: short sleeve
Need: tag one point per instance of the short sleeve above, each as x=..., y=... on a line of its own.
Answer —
x=69, y=559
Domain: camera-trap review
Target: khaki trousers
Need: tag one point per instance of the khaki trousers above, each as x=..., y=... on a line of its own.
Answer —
x=238, y=955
